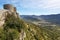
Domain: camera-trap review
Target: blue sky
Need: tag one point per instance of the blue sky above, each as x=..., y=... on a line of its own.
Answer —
x=34, y=7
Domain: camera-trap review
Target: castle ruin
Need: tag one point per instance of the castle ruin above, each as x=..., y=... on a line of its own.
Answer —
x=9, y=7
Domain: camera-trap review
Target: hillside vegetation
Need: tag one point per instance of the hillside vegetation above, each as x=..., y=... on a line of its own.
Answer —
x=16, y=29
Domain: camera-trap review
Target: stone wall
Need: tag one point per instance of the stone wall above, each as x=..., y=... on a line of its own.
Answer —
x=9, y=7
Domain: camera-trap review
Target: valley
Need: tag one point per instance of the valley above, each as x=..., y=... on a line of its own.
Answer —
x=48, y=26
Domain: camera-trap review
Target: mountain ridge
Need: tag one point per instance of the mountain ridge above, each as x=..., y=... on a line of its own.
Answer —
x=49, y=18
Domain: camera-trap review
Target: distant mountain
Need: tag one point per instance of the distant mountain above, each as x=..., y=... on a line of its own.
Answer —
x=29, y=17
x=48, y=18
x=51, y=18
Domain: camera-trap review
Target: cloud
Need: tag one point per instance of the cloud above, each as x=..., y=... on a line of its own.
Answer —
x=41, y=3
x=44, y=5
x=37, y=3
x=49, y=5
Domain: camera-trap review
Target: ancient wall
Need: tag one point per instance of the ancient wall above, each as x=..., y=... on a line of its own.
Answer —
x=9, y=7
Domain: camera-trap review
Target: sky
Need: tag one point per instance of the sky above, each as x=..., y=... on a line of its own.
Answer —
x=34, y=7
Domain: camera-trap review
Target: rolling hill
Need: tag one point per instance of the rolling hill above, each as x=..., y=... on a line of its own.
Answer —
x=52, y=18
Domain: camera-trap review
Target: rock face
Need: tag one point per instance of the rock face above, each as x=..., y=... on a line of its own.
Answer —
x=8, y=9
x=2, y=17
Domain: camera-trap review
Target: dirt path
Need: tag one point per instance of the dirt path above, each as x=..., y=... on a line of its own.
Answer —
x=22, y=35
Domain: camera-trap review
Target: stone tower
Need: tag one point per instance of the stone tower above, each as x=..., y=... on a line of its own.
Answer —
x=9, y=7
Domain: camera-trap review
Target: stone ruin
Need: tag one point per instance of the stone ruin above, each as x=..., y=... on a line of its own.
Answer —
x=8, y=8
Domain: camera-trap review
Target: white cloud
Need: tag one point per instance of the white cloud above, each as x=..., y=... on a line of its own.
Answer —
x=50, y=5
x=40, y=3
x=37, y=3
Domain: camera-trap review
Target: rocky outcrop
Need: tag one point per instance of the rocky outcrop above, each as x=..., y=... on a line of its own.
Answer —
x=8, y=9
x=2, y=17
x=22, y=35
